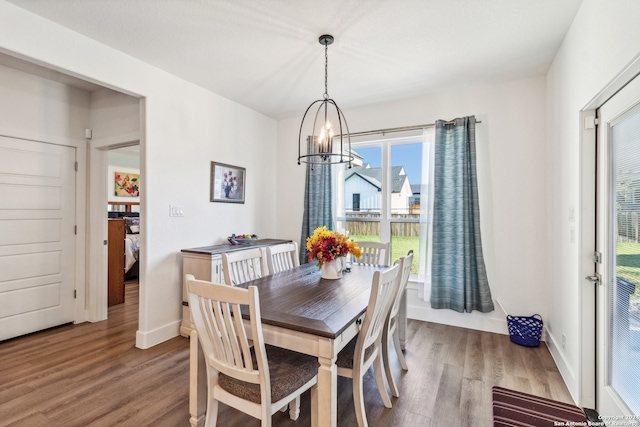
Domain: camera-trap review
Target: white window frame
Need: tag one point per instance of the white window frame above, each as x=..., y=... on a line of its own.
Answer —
x=385, y=219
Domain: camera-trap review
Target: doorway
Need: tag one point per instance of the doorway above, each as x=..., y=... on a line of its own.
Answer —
x=618, y=242
x=123, y=210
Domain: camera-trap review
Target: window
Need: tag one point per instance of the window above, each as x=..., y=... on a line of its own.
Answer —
x=381, y=196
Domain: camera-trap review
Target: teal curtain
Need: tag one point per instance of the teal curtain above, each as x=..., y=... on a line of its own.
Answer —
x=458, y=275
x=318, y=204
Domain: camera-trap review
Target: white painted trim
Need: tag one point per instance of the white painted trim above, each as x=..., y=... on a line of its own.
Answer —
x=586, y=381
x=81, y=235
x=97, y=234
x=585, y=384
x=147, y=339
x=117, y=141
x=142, y=260
x=628, y=73
x=41, y=137
x=564, y=367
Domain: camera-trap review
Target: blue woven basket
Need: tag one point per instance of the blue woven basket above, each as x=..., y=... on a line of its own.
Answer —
x=525, y=330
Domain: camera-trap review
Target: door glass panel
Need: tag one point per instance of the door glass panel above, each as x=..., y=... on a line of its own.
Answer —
x=624, y=292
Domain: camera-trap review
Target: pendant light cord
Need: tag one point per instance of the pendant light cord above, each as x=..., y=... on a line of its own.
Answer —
x=326, y=70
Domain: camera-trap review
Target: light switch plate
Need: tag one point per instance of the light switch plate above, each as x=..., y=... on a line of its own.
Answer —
x=176, y=210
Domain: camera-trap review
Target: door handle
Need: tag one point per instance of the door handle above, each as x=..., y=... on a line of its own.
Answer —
x=596, y=278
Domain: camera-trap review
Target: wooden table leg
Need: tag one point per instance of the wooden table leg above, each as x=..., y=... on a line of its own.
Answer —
x=325, y=404
x=197, y=382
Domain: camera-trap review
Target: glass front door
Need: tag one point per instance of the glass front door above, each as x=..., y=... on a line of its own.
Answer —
x=618, y=296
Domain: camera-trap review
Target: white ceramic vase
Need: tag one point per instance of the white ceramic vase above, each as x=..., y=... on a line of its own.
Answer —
x=333, y=269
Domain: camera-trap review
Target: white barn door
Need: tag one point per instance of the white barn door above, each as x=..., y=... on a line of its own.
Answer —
x=37, y=236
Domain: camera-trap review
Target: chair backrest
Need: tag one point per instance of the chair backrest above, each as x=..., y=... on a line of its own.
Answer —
x=405, y=271
x=242, y=266
x=282, y=257
x=383, y=289
x=374, y=253
x=215, y=309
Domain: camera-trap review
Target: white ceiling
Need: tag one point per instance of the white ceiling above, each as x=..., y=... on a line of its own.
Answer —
x=265, y=54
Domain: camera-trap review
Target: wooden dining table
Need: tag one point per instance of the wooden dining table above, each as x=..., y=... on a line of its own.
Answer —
x=303, y=312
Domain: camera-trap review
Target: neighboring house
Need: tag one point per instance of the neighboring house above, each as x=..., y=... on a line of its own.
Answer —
x=362, y=189
x=414, y=200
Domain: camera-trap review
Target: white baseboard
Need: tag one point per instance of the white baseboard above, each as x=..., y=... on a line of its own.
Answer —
x=559, y=358
x=147, y=339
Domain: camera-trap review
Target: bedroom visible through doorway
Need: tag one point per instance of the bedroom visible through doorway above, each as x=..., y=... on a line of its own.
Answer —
x=123, y=224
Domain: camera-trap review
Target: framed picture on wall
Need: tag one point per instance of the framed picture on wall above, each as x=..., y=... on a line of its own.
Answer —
x=227, y=183
x=126, y=184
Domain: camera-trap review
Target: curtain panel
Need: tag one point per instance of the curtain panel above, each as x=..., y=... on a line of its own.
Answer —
x=458, y=275
x=318, y=204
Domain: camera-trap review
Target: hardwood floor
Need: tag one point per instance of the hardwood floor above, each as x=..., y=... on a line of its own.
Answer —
x=92, y=375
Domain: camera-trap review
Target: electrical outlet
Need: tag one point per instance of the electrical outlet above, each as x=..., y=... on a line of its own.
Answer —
x=564, y=341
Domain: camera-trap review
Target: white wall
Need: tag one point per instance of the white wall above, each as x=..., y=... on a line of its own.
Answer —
x=31, y=105
x=511, y=169
x=185, y=128
x=114, y=116
x=604, y=38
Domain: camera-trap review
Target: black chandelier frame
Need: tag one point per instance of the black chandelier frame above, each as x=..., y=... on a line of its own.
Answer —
x=320, y=151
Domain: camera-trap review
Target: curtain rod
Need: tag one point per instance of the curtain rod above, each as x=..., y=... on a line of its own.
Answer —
x=399, y=129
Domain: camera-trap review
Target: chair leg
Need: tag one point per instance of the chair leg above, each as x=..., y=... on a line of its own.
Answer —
x=211, y=417
x=387, y=365
x=294, y=408
x=396, y=344
x=378, y=373
x=265, y=416
x=358, y=400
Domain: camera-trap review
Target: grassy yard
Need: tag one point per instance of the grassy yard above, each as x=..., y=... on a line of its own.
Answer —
x=400, y=246
x=628, y=263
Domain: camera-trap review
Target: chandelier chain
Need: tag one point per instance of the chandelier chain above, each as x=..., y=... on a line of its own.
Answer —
x=326, y=70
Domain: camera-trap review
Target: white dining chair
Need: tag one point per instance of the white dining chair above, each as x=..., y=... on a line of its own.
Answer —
x=390, y=330
x=256, y=379
x=373, y=253
x=363, y=351
x=282, y=257
x=242, y=266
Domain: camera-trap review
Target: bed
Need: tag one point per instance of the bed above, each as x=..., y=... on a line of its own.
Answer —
x=131, y=243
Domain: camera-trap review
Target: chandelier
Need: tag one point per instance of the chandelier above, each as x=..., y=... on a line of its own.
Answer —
x=319, y=132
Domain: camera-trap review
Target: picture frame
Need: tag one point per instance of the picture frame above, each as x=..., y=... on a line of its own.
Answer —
x=227, y=183
x=126, y=184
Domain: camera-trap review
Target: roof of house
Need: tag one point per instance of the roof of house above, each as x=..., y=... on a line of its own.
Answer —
x=415, y=189
x=374, y=176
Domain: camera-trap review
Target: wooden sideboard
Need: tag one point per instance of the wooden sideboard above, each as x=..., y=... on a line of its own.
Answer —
x=205, y=263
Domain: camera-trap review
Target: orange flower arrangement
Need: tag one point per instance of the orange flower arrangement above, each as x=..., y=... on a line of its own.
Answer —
x=326, y=245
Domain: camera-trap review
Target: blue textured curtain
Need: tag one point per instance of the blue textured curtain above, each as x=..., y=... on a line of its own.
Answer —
x=318, y=204
x=458, y=275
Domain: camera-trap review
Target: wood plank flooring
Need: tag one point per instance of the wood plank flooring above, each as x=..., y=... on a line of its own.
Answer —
x=92, y=375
